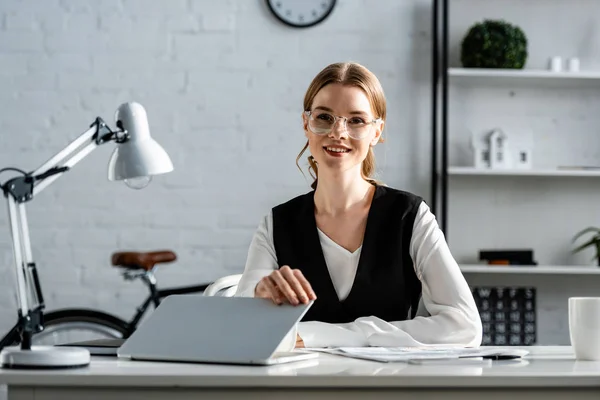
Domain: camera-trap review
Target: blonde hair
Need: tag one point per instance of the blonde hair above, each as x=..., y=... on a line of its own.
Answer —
x=351, y=74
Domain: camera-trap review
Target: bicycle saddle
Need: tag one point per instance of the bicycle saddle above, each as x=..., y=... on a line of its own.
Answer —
x=141, y=260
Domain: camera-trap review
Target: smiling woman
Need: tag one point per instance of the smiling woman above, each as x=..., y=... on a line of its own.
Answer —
x=372, y=258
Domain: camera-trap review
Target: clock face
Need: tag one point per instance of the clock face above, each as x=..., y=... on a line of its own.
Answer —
x=301, y=13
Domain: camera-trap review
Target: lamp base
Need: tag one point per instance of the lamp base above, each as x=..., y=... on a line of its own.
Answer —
x=44, y=357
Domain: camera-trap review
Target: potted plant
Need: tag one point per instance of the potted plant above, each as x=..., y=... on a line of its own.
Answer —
x=593, y=241
x=494, y=44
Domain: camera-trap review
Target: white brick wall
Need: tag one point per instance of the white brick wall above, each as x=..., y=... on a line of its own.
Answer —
x=223, y=83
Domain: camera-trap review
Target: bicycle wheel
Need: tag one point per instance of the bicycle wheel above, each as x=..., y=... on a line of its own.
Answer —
x=73, y=325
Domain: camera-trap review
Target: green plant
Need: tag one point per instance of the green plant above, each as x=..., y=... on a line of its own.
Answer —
x=594, y=241
x=494, y=44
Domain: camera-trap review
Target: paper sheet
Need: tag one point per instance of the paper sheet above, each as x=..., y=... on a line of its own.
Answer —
x=395, y=354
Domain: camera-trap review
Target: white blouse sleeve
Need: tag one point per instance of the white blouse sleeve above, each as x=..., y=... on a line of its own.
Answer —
x=453, y=316
x=261, y=260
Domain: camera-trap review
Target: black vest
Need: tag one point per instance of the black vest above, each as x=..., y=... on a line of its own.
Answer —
x=385, y=285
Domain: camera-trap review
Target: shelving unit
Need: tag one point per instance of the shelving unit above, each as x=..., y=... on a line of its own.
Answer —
x=507, y=193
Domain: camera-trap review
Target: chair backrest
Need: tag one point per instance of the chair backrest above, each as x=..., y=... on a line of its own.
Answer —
x=225, y=286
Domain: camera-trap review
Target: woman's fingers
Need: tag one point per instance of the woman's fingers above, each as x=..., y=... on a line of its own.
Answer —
x=307, y=288
x=267, y=289
x=285, y=287
x=292, y=278
x=286, y=284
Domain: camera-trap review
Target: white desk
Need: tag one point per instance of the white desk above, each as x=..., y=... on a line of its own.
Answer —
x=548, y=373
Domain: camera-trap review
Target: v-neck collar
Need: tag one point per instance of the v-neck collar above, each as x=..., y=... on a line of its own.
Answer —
x=338, y=246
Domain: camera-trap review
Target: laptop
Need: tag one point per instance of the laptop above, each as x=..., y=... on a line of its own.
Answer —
x=215, y=329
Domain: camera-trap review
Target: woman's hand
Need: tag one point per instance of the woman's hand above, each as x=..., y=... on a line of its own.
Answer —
x=299, y=342
x=285, y=285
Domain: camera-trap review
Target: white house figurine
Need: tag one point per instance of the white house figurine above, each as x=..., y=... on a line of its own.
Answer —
x=494, y=149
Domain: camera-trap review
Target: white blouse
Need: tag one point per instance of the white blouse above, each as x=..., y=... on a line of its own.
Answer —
x=451, y=316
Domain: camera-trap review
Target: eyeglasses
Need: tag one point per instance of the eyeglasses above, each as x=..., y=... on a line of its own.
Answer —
x=322, y=123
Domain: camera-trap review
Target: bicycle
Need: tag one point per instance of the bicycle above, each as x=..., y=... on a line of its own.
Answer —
x=137, y=265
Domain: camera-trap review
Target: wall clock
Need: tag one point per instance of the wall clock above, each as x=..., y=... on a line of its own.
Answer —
x=301, y=13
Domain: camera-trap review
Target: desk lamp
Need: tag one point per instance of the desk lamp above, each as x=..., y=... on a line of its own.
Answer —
x=135, y=160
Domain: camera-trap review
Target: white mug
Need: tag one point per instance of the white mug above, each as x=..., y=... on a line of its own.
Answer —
x=584, y=327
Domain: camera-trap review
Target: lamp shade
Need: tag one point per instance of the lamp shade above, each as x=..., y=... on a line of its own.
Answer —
x=139, y=156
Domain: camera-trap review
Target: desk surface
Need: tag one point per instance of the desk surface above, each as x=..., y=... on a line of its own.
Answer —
x=544, y=367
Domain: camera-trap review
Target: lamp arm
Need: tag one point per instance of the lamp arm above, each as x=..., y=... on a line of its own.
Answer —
x=76, y=151
x=22, y=189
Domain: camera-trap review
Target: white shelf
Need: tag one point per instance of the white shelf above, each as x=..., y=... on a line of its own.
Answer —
x=537, y=269
x=525, y=172
x=520, y=76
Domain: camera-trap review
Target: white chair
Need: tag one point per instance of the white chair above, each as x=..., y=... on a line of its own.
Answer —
x=225, y=286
